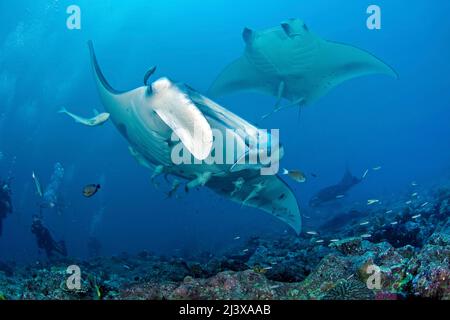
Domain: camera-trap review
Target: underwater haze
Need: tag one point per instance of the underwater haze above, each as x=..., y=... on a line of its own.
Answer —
x=400, y=125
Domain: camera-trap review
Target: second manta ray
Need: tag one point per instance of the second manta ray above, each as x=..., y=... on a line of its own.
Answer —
x=147, y=116
x=291, y=62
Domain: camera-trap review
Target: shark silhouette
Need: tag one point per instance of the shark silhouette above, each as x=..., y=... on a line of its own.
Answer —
x=333, y=192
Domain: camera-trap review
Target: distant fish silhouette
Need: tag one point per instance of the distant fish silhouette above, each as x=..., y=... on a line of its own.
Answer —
x=335, y=192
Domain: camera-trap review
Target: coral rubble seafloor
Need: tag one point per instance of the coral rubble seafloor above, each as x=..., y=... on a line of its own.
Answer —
x=409, y=247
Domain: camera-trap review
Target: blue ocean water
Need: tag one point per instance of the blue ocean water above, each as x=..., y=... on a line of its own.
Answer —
x=401, y=125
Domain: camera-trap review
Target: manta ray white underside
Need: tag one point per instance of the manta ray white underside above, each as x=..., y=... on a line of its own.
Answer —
x=147, y=116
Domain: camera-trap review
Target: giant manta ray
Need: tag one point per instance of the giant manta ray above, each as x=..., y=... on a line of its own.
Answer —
x=147, y=116
x=291, y=62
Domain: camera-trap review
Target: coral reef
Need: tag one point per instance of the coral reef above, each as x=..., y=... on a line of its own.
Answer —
x=397, y=255
x=349, y=290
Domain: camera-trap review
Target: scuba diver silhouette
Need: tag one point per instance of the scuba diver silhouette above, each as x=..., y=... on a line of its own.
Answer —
x=45, y=241
x=5, y=202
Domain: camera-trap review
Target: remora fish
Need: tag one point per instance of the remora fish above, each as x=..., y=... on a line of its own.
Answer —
x=148, y=116
x=97, y=120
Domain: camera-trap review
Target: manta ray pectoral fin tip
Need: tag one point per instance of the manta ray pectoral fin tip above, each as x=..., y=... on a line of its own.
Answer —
x=396, y=75
x=389, y=70
x=98, y=72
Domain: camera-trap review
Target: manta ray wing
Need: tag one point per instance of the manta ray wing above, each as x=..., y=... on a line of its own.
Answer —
x=240, y=75
x=276, y=198
x=350, y=61
x=341, y=62
x=116, y=102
